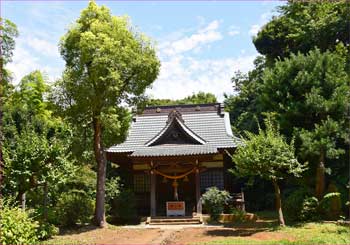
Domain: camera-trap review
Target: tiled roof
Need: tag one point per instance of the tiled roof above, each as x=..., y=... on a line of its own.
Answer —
x=210, y=124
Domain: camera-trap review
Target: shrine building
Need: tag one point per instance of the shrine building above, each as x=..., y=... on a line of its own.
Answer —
x=172, y=154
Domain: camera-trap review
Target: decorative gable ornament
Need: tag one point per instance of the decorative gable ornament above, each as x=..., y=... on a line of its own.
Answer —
x=175, y=114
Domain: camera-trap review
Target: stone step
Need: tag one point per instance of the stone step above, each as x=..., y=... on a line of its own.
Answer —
x=174, y=220
x=176, y=223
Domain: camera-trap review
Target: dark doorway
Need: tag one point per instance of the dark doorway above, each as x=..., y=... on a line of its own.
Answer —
x=186, y=193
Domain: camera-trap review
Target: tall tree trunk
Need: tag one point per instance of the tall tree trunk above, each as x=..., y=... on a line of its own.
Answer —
x=320, y=177
x=45, y=200
x=278, y=203
x=22, y=199
x=100, y=218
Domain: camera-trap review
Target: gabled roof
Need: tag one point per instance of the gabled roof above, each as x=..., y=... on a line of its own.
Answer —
x=205, y=127
x=175, y=124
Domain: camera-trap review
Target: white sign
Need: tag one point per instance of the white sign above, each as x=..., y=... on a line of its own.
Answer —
x=175, y=208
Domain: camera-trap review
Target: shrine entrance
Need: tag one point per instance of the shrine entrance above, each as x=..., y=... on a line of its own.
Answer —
x=186, y=192
x=175, y=189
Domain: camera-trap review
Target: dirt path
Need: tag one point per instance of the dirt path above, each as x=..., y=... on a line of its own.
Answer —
x=258, y=231
x=209, y=234
x=165, y=237
x=93, y=235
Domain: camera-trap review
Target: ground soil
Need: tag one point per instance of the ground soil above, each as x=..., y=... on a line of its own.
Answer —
x=260, y=230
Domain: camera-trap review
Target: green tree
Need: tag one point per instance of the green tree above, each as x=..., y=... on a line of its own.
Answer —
x=32, y=89
x=243, y=105
x=36, y=145
x=268, y=156
x=107, y=62
x=303, y=25
x=8, y=33
x=303, y=96
x=310, y=95
x=198, y=98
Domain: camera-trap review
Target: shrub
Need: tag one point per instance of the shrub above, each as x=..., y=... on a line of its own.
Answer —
x=113, y=188
x=214, y=201
x=74, y=207
x=309, y=209
x=238, y=213
x=17, y=227
x=302, y=206
x=46, y=231
x=330, y=206
x=123, y=207
x=293, y=204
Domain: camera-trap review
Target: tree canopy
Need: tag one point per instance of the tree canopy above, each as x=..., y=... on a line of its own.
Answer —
x=269, y=156
x=302, y=76
x=302, y=26
x=310, y=95
x=36, y=145
x=198, y=98
x=8, y=33
x=108, y=62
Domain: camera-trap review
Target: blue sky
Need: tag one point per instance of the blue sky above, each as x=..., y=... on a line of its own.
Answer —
x=200, y=44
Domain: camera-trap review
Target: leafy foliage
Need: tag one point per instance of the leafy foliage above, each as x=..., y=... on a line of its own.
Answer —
x=301, y=26
x=294, y=203
x=306, y=89
x=214, y=201
x=74, y=207
x=330, y=206
x=36, y=143
x=309, y=94
x=123, y=207
x=267, y=155
x=17, y=227
x=309, y=209
x=113, y=188
x=199, y=98
x=46, y=231
x=8, y=32
x=301, y=205
x=243, y=105
x=108, y=62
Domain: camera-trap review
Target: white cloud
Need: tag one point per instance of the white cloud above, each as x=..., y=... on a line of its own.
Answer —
x=206, y=35
x=22, y=63
x=182, y=76
x=183, y=72
x=233, y=30
x=43, y=46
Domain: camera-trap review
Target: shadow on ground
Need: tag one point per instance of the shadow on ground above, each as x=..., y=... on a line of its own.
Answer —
x=78, y=229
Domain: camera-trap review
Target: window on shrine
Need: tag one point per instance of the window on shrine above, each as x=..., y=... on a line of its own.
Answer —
x=211, y=178
x=141, y=183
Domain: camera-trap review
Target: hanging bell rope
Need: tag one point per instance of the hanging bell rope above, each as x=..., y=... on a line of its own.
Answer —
x=174, y=177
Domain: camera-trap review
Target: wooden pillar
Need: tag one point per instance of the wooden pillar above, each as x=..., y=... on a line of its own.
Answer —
x=153, y=193
x=198, y=191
